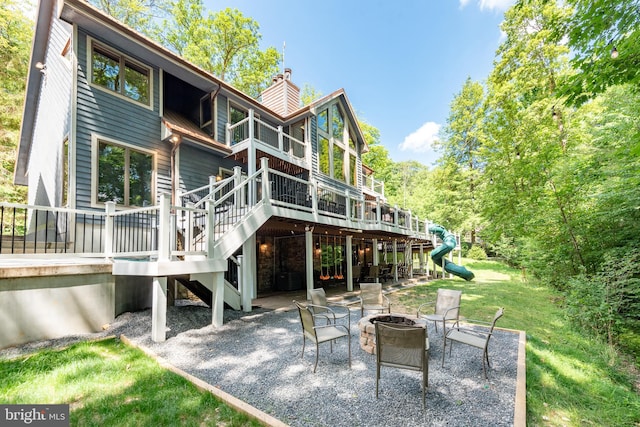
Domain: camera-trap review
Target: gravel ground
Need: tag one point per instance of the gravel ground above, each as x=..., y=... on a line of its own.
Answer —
x=256, y=357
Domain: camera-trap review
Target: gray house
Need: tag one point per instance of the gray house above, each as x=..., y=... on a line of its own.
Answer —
x=147, y=174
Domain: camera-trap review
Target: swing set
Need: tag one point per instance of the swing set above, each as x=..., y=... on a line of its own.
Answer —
x=327, y=256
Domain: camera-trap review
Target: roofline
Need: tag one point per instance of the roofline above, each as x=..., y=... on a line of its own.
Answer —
x=32, y=89
x=337, y=94
x=67, y=10
x=91, y=12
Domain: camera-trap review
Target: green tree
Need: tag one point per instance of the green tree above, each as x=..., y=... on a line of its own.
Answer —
x=526, y=137
x=15, y=41
x=137, y=14
x=308, y=94
x=463, y=137
x=597, y=29
x=226, y=43
x=378, y=156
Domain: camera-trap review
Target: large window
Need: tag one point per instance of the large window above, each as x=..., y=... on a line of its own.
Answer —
x=336, y=149
x=119, y=74
x=124, y=175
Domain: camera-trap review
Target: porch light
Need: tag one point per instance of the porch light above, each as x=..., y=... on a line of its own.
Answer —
x=218, y=178
x=42, y=67
x=174, y=139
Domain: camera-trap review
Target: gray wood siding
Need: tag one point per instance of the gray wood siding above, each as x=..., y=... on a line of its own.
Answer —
x=113, y=117
x=52, y=122
x=221, y=118
x=197, y=164
x=313, y=122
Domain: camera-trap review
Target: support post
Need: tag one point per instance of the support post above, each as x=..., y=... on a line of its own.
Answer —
x=110, y=209
x=217, y=299
x=395, y=260
x=159, y=309
x=245, y=289
x=308, y=251
x=349, y=257
x=374, y=249
x=249, y=265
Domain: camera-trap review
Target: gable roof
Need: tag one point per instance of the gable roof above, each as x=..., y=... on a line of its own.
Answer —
x=88, y=17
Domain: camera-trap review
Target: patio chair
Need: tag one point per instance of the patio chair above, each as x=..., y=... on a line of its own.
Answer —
x=446, y=308
x=403, y=347
x=320, y=333
x=331, y=311
x=474, y=338
x=357, y=272
x=388, y=272
x=372, y=298
x=373, y=274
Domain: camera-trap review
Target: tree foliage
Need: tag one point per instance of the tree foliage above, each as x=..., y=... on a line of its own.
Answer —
x=15, y=40
x=137, y=14
x=463, y=138
x=597, y=29
x=225, y=43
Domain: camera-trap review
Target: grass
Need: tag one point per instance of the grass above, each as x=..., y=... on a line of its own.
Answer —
x=572, y=379
x=108, y=383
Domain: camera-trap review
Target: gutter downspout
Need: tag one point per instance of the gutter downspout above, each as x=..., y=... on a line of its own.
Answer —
x=174, y=175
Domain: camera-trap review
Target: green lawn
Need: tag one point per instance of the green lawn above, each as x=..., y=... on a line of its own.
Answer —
x=108, y=383
x=572, y=379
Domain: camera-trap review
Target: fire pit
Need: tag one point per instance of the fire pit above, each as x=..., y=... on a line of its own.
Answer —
x=368, y=328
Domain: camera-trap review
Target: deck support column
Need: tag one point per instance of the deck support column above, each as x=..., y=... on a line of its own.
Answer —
x=374, y=249
x=159, y=310
x=395, y=260
x=308, y=252
x=215, y=283
x=217, y=299
x=249, y=267
x=245, y=287
x=349, y=258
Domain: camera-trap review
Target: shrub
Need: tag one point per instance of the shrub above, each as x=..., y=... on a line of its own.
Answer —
x=607, y=302
x=477, y=253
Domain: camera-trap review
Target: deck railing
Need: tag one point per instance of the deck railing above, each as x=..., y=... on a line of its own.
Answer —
x=253, y=129
x=28, y=229
x=373, y=185
x=202, y=216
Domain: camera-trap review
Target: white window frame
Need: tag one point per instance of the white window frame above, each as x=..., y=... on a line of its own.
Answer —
x=96, y=139
x=343, y=144
x=90, y=48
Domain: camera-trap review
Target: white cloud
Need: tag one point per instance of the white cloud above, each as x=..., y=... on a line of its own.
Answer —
x=422, y=139
x=500, y=5
x=495, y=4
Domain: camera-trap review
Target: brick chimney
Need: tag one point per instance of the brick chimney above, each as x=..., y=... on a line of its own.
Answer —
x=282, y=96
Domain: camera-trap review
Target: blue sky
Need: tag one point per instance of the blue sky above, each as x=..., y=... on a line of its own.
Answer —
x=400, y=63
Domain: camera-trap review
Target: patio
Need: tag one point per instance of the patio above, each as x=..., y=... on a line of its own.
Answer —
x=256, y=358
